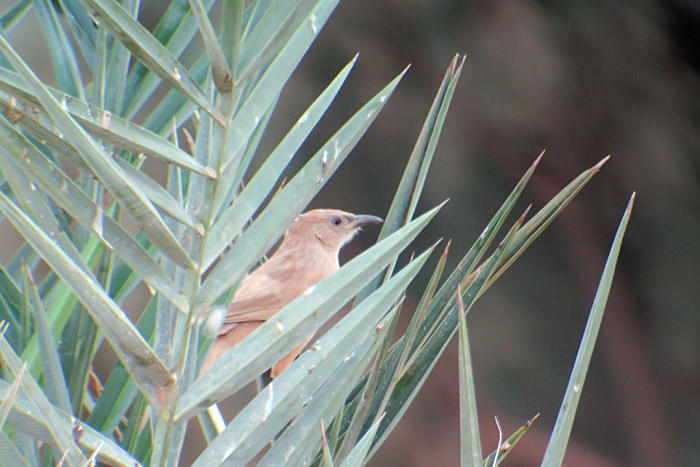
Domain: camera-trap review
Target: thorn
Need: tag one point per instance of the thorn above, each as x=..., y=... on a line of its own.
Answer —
x=30, y=278
x=524, y=215
x=440, y=206
x=453, y=64
x=190, y=141
x=434, y=245
x=447, y=248
x=532, y=420
x=539, y=158
x=600, y=164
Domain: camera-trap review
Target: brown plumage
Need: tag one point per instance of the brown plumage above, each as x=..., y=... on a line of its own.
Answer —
x=307, y=255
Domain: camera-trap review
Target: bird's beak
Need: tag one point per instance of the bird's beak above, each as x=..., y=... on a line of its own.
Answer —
x=364, y=219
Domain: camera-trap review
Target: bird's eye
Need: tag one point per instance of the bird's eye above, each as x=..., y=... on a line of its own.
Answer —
x=336, y=221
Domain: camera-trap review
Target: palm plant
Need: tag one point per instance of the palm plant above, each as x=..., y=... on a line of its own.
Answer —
x=72, y=185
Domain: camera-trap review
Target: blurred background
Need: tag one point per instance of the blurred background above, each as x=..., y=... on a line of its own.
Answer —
x=580, y=80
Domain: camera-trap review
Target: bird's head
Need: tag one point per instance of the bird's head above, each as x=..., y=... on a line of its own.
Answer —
x=331, y=227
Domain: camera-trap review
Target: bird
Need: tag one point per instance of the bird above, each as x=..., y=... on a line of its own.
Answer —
x=307, y=254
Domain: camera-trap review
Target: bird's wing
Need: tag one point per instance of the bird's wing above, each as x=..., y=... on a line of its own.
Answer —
x=264, y=293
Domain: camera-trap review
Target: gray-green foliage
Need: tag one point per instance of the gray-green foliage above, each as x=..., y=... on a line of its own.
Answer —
x=353, y=382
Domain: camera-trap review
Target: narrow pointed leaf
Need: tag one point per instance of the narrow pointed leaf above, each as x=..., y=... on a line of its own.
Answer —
x=358, y=455
x=405, y=349
x=140, y=181
x=59, y=430
x=274, y=19
x=14, y=15
x=273, y=407
x=507, y=446
x=9, y=397
x=468, y=263
x=24, y=255
x=419, y=316
x=231, y=31
x=54, y=379
x=10, y=453
x=497, y=456
x=27, y=446
x=24, y=419
x=535, y=226
x=117, y=67
x=410, y=187
x=299, y=443
x=255, y=12
x=106, y=169
x=82, y=27
x=300, y=318
x=259, y=187
x=447, y=325
x=468, y=416
x=66, y=193
x=158, y=195
x=358, y=418
x=175, y=31
x=290, y=201
x=554, y=455
x=120, y=391
x=217, y=62
x=175, y=107
x=414, y=376
x=64, y=61
x=99, y=123
x=149, y=51
x=33, y=202
x=236, y=177
x=335, y=429
x=62, y=305
x=9, y=290
x=134, y=352
x=327, y=460
x=274, y=78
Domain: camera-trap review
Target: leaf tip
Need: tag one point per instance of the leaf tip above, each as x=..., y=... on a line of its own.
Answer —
x=447, y=249
x=460, y=303
x=434, y=245
x=521, y=220
x=539, y=158
x=453, y=65
x=211, y=173
x=461, y=63
x=600, y=164
x=532, y=420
